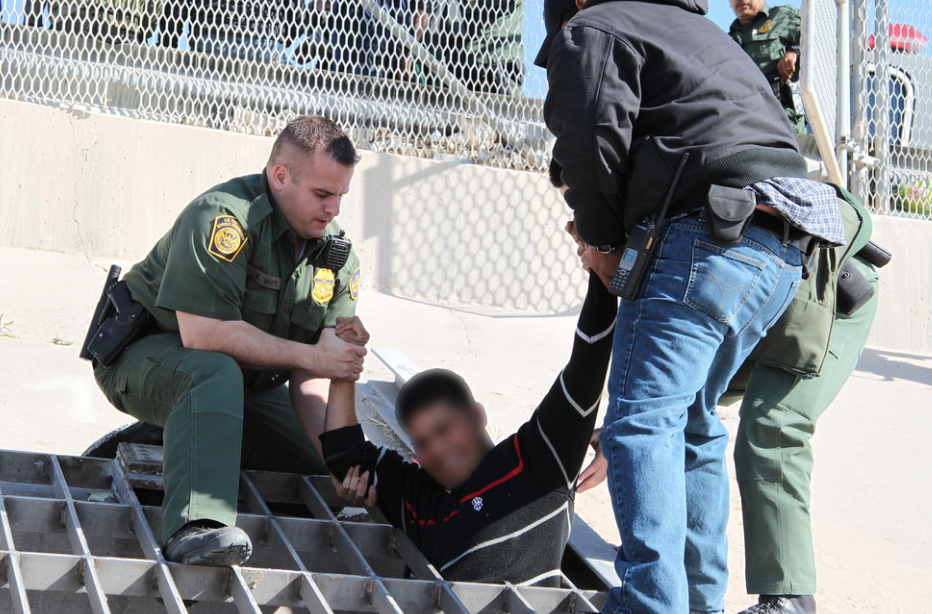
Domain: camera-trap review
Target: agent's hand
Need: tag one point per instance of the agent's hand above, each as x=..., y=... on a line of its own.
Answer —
x=352, y=331
x=596, y=472
x=336, y=358
x=581, y=246
x=355, y=488
x=787, y=66
x=592, y=259
x=604, y=265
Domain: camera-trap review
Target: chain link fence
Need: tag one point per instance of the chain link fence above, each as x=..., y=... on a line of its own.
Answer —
x=891, y=106
x=443, y=79
x=440, y=79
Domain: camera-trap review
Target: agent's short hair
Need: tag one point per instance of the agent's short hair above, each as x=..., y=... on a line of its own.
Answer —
x=312, y=133
x=428, y=387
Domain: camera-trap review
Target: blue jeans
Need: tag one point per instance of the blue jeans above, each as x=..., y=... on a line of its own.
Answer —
x=701, y=310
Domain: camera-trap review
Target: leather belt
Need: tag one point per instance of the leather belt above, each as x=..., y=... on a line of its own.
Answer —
x=786, y=232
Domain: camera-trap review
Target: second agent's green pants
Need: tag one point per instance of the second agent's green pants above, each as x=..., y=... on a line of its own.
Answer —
x=773, y=456
x=212, y=426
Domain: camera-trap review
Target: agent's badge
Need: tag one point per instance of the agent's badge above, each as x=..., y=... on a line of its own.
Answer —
x=323, y=286
x=354, y=285
x=764, y=28
x=227, y=238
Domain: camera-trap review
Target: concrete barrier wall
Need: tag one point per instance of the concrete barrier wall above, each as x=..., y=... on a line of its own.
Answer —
x=904, y=314
x=103, y=185
x=110, y=186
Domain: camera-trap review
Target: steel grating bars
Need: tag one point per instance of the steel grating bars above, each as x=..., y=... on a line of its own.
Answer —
x=74, y=537
x=10, y=573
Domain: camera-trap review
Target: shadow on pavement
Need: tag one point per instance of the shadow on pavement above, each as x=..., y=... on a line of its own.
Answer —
x=890, y=366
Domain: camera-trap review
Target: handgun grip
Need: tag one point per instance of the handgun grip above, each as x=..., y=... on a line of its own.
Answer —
x=113, y=276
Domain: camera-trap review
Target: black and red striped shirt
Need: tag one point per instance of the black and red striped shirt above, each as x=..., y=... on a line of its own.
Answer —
x=510, y=521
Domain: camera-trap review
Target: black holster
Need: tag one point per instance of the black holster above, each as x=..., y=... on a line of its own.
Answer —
x=118, y=321
x=853, y=288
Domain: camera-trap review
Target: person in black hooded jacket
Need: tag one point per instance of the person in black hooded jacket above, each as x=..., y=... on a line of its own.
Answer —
x=633, y=87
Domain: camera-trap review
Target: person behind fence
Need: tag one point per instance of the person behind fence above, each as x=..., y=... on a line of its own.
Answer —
x=684, y=174
x=479, y=42
x=771, y=37
x=355, y=41
x=96, y=18
x=242, y=295
x=481, y=512
x=245, y=29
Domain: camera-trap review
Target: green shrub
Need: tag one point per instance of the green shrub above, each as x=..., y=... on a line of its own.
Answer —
x=915, y=197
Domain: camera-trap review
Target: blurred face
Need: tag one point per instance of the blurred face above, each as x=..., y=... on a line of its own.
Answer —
x=308, y=191
x=745, y=10
x=449, y=442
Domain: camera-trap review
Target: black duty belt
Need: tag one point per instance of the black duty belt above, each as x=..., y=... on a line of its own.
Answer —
x=786, y=232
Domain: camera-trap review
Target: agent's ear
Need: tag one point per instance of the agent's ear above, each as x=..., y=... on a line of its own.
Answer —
x=480, y=416
x=580, y=4
x=277, y=176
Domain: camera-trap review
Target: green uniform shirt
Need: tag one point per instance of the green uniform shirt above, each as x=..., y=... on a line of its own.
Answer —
x=767, y=38
x=231, y=256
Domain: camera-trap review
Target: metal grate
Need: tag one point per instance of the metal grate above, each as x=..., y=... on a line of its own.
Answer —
x=428, y=78
x=75, y=538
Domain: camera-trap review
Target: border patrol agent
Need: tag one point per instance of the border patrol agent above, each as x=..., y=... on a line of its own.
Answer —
x=242, y=296
x=771, y=37
x=793, y=375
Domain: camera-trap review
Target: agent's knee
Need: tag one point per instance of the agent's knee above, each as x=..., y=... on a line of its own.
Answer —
x=768, y=440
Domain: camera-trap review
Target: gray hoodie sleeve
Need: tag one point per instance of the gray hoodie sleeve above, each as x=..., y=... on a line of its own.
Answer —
x=592, y=103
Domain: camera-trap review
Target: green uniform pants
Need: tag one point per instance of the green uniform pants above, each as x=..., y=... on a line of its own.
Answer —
x=773, y=456
x=212, y=425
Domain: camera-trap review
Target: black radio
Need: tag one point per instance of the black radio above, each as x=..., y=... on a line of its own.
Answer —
x=640, y=246
x=335, y=252
x=634, y=259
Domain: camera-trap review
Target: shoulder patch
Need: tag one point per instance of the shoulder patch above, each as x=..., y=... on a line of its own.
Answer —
x=765, y=28
x=323, y=286
x=354, y=285
x=227, y=238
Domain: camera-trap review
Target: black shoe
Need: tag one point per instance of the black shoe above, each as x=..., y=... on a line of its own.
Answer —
x=196, y=544
x=783, y=604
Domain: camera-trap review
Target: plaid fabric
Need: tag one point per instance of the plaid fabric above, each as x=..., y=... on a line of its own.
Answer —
x=809, y=205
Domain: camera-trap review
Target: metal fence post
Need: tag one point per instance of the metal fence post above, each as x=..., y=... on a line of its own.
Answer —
x=882, y=106
x=843, y=89
x=858, y=144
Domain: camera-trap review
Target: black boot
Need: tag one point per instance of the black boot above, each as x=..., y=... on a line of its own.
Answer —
x=783, y=604
x=208, y=543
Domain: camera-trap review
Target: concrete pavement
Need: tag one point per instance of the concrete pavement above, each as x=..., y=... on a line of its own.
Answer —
x=871, y=491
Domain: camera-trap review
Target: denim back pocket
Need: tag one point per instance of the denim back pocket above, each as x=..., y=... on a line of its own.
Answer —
x=721, y=280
